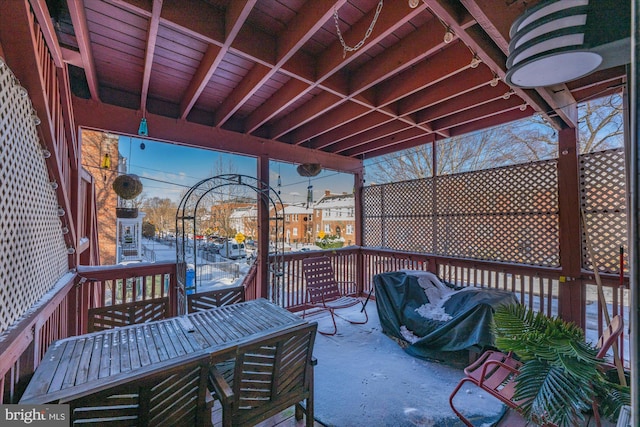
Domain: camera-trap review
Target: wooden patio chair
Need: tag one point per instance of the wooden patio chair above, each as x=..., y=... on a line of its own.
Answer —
x=175, y=396
x=323, y=291
x=497, y=373
x=270, y=375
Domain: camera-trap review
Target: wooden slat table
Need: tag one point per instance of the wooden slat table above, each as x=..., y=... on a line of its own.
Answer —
x=81, y=365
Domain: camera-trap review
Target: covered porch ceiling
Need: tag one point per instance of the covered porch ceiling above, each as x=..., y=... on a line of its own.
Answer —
x=271, y=77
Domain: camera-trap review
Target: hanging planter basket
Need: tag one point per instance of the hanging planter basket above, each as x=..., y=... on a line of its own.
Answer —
x=126, y=212
x=127, y=186
x=309, y=169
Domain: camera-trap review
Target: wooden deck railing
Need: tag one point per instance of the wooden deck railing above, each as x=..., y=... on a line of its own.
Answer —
x=65, y=311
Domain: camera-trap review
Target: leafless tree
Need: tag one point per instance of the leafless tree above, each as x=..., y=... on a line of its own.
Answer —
x=600, y=127
x=160, y=212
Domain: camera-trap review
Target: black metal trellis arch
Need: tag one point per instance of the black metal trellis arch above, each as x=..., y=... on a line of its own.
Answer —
x=187, y=224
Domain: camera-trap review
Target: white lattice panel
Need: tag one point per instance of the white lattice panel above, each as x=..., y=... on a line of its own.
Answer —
x=32, y=249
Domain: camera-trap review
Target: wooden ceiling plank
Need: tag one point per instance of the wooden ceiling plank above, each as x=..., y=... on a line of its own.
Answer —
x=79, y=20
x=277, y=102
x=330, y=121
x=236, y=17
x=409, y=51
x=152, y=37
x=309, y=111
x=139, y=7
x=307, y=22
x=444, y=90
x=479, y=41
x=210, y=61
x=412, y=134
x=371, y=134
x=495, y=108
x=332, y=59
x=391, y=18
x=376, y=150
x=195, y=18
x=299, y=31
x=248, y=86
x=489, y=13
x=472, y=99
x=119, y=120
x=490, y=121
x=449, y=62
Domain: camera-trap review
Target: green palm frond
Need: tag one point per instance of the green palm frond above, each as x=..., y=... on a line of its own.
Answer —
x=560, y=375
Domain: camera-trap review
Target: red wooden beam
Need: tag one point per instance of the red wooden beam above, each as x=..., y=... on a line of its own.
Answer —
x=401, y=138
x=299, y=31
x=445, y=90
x=472, y=99
x=332, y=60
x=236, y=17
x=110, y=118
x=382, y=131
x=478, y=39
x=79, y=20
x=207, y=67
x=152, y=36
x=365, y=121
x=449, y=62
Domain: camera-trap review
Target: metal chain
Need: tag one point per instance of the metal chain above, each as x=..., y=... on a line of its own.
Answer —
x=346, y=47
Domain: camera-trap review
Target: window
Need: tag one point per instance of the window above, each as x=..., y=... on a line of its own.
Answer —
x=349, y=228
x=295, y=231
x=327, y=228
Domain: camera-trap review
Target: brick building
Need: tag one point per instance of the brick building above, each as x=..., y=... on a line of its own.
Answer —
x=96, y=146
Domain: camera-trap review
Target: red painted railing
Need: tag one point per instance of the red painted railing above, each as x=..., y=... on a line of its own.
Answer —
x=65, y=311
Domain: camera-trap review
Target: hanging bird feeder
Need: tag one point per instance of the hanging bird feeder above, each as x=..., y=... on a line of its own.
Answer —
x=309, y=169
x=127, y=186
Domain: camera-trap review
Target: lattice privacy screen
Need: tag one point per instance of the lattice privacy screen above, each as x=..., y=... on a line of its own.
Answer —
x=506, y=214
x=32, y=249
x=604, y=203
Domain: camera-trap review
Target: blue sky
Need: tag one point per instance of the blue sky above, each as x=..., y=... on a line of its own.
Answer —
x=167, y=170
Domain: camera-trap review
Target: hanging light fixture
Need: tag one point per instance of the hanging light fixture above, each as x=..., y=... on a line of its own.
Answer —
x=475, y=61
x=414, y=3
x=448, y=35
x=142, y=129
x=536, y=42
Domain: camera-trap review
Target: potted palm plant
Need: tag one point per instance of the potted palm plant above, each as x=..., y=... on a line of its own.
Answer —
x=561, y=376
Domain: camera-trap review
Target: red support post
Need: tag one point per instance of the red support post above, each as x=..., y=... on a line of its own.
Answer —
x=571, y=289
